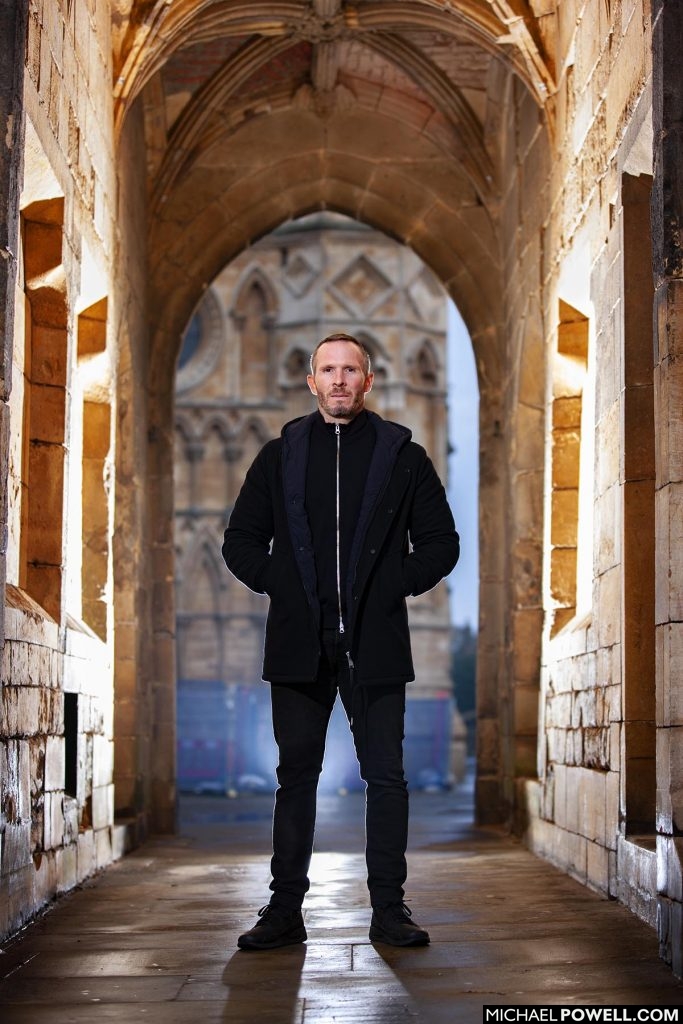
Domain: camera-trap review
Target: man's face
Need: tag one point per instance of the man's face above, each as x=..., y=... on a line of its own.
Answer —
x=339, y=382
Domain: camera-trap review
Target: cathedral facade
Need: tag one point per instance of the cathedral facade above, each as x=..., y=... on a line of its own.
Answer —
x=242, y=375
x=528, y=153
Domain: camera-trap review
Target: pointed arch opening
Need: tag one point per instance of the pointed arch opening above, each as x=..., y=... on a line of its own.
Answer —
x=395, y=306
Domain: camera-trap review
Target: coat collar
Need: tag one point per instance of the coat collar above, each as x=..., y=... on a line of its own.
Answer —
x=390, y=434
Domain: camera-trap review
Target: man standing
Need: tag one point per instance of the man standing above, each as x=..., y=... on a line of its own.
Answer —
x=338, y=521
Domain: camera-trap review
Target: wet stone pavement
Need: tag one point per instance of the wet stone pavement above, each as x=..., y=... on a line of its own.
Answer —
x=153, y=938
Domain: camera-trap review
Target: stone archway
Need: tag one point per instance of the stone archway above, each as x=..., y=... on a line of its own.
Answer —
x=477, y=300
x=365, y=113
x=496, y=138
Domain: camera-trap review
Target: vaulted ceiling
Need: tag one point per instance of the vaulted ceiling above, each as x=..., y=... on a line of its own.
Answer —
x=391, y=111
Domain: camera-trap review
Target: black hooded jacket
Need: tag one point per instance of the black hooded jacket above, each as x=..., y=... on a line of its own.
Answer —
x=404, y=543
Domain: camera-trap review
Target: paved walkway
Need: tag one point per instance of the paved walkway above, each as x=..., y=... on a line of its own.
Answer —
x=153, y=938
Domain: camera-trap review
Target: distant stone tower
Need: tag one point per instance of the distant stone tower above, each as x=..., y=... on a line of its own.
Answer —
x=241, y=376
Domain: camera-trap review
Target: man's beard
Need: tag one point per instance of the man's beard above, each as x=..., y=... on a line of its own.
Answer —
x=341, y=406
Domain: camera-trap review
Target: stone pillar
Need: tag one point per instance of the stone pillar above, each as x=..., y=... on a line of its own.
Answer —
x=493, y=796
x=667, y=225
x=13, y=16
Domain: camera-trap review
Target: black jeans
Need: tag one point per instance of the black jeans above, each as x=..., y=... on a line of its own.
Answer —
x=300, y=718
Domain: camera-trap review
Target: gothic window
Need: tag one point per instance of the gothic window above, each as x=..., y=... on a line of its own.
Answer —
x=95, y=430
x=571, y=358
x=44, y=380
x=212, y=476
x=182, y=475
x=254, y=314
x=198, y=615
x=426, y=368
x=202, y=343
x=379, y=360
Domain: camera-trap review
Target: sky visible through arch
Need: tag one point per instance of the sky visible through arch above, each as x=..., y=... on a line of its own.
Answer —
x=463, y=468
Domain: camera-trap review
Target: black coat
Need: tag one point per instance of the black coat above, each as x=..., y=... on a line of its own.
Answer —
x=403, y=501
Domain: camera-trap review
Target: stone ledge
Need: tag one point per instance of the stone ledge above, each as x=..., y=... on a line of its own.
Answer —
x=636, y=882
x=26, y=621
x=127, y=834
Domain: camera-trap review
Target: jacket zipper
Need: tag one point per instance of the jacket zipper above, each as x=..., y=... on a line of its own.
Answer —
x=338, y=532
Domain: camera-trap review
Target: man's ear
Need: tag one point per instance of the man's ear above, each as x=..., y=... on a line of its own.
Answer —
x=310, y=380
x=369, y=380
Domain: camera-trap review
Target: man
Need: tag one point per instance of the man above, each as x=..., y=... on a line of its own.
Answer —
x=322, y=525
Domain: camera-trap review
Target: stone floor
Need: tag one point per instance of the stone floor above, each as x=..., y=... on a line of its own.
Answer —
x=153, y=938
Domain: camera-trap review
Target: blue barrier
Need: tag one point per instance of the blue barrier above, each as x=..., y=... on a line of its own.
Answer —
x=225, y=741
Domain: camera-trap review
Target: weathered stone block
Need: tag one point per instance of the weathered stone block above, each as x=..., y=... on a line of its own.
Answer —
x=102, y=806
x=565, y=465
x=54, y=821
x=609, y=607
x=20, y=893
x=70, y=820
x=54, y=763
x=86, y=855
x=103, y=850
x=664, y=819
x=103, y=760
x=67, y=867
x=16, y=847
x=670, y=671
x=23, y=780
x=44, y=879
x=597, y=867
x=563, y=576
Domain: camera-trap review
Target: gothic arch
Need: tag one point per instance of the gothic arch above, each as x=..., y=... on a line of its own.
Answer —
x=379, y=358
x=255, y=277
x=185, y=427
x=254, y=314
x=388, y=158
x=203, y=554
x=464, y=260
x=253, y=426
x=199, y=583
x=220, y=423
x=425, y=370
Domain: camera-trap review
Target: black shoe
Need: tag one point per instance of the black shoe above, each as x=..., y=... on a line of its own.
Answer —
x=394, y=926
x=276, y=926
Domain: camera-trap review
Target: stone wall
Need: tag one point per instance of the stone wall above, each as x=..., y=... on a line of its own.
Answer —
x=56, y=760
x=71, y=306
x=579, y=304
x=668, y=383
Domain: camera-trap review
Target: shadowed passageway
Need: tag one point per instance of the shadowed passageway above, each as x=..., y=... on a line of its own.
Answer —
x=153, y=938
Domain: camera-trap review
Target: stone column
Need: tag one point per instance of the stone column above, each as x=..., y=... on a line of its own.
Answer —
x=162, y=811
x=13, y=16
x=667, y=225
x=493, y=799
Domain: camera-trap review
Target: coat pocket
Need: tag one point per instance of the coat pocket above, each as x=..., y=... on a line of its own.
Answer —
x=392, y=580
